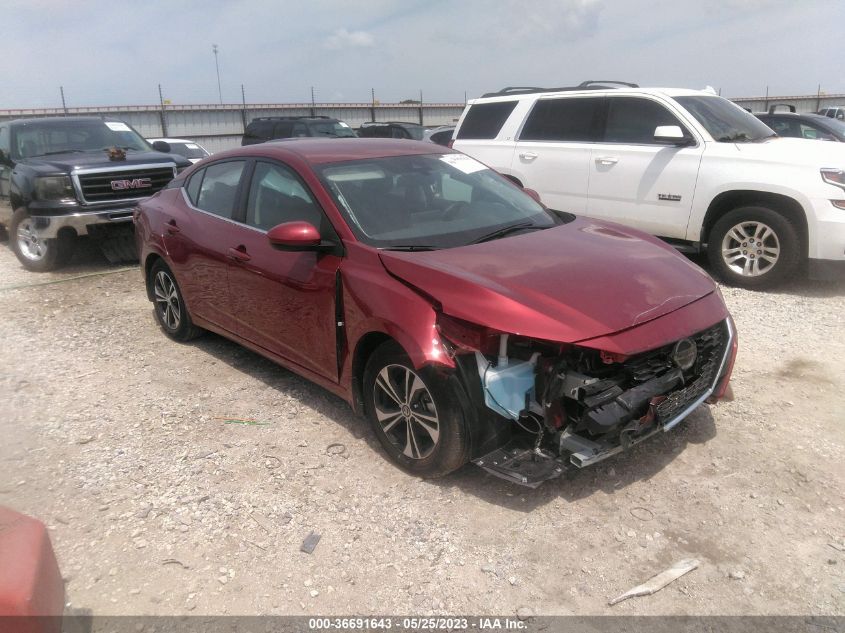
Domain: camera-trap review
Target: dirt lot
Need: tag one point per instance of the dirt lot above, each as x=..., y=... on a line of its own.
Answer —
x=113, y=436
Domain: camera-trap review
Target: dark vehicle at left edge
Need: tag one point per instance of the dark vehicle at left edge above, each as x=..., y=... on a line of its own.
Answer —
x=463, y=318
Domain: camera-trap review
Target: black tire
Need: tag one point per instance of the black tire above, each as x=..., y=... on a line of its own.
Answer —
x=169, y=306
x=119, y=248
x=769, y=254
x=35, y=254
x=451, y=450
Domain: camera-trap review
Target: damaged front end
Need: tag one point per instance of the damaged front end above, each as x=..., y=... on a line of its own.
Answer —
x=565, y=406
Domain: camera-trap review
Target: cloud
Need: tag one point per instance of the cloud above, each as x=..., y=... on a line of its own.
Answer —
x=343, y=38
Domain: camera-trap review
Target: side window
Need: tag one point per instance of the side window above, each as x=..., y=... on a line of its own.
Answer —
x=276, y=195
x=811, y=131
x=282, y=130
x=299, y=129
x=484, y=120
x=633, y=120
x=5, y=145
x=219, y=188
x=193, y=187
x=569, y=119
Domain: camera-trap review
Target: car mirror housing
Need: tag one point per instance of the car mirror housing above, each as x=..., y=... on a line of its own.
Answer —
x=162, y=146
x=295, y=236
x=671, y=134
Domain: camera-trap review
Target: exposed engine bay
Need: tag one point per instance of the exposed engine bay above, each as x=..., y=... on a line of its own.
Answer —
x=573, y=406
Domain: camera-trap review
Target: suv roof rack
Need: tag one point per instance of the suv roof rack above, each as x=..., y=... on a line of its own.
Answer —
x=590, y=84
x=290, y=118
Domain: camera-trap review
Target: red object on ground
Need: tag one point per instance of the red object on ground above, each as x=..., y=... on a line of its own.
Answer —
x=32, y=594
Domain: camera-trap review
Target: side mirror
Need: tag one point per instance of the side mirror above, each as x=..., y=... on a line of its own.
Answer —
x=533, y=194
x=295, y=236
x=162, y=146
x=672, y=135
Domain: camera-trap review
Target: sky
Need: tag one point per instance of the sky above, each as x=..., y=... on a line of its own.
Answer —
x=117, y=53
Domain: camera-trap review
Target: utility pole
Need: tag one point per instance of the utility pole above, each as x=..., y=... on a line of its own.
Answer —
x=243, y=110
x=214, y=49
x=64, y=105
x=373, y=106
x=313, y=103
x=819, y=98
x=766, y=104
x=161, y=114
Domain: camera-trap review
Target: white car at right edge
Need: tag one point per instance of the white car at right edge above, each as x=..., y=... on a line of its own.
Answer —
x=686, y=165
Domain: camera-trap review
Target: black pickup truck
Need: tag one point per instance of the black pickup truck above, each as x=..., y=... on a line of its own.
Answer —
x=62, y=177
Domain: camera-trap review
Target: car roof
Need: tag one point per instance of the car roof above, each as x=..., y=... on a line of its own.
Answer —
x=319, y=151
x=668, y=92
x=57, y=119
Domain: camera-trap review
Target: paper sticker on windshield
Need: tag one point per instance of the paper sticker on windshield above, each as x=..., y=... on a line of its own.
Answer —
x=463, y=163
x=117, y=126
x=192, y=146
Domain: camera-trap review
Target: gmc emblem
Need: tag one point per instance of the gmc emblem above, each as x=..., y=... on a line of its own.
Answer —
x=135, y=183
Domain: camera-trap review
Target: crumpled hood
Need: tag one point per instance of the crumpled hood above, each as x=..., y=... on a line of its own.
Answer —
x=584, y=279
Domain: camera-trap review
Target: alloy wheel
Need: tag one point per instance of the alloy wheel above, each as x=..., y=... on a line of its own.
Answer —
x=750, y=249
x=30, y=244
x=167, y=300
x=406, y=412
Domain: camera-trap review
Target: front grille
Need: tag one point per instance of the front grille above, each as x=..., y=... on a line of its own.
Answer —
x=711, y=345
x=98, y=187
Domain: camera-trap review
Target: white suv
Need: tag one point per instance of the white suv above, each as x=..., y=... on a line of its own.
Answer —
x=685, y=165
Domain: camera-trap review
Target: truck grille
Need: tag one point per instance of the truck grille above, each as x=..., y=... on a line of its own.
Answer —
x=128, y=184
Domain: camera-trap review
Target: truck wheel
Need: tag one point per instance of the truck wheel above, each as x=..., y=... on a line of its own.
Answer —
x=37, y=254
x=416, y=414
x=170, y=309
x=754, y=247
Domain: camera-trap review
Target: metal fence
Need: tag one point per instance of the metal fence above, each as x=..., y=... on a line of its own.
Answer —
x=219, y=127
x=802, y=103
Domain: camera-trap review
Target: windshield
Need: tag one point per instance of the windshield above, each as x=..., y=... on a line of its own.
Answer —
x=40, y=138
x=333, y=129
x=188, y=150
x=725, y=121
x=430, y=201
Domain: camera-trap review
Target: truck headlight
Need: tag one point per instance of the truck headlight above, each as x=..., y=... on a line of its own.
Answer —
x=834, y=177
x=54, y=188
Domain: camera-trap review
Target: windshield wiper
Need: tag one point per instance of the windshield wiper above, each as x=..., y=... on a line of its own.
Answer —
x=61, y=151
x=505, y=231
x=409, y=247
x=739, y=137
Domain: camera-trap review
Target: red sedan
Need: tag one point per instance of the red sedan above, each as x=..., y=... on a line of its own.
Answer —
x=465, y=320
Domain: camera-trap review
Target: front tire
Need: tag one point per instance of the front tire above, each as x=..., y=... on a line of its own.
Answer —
x=170, y=309
x=33, y=252
x=415, y=413
x=754, y=247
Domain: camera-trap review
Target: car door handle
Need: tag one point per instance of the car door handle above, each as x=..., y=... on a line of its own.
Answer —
x=239, y=254
x=528, y=155
x=172, y=228
x=607, y=160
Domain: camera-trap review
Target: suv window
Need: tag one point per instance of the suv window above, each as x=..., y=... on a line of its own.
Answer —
x=276, y=195
x=219, y=187
x=5, y=145
x=567, y=119
x=260, y=129
x=633, y=120
x=484, y=120
x=725, y=121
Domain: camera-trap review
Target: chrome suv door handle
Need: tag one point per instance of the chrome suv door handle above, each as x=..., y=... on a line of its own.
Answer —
x=607, y=160
x=528, y=155
x=239, y=254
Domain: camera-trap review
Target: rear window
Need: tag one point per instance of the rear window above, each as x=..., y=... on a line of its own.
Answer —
x=260, y=129
x=484, y=120
x=561, y=120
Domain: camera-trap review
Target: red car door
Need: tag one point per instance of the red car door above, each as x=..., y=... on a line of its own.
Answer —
x=283, y=301
x=197, y=230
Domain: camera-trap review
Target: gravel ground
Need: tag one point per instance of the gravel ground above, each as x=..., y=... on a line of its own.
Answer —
x=115, y=437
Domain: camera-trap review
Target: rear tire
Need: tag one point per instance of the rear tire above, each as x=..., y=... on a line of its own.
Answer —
x=33, y=252
x=415, y=413
x=754, y=247
x=170, y=309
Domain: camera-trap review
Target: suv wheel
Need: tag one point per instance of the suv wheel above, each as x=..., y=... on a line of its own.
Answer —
x=753, y=247
x=170, y=310
x=35, y=253
x=416, y=414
